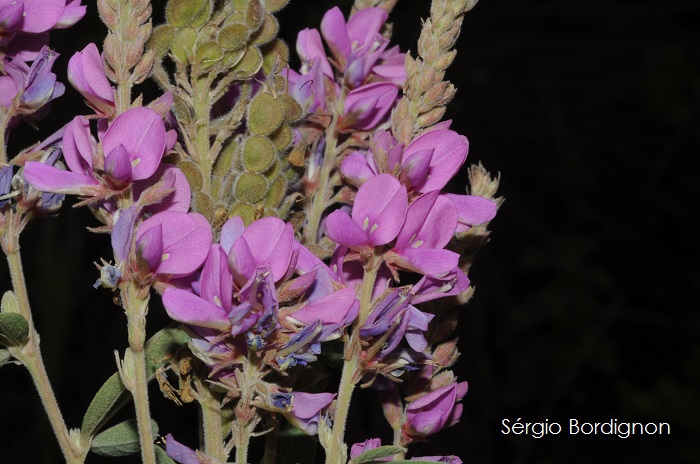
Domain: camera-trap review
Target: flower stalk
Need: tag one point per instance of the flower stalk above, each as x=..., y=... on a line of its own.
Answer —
x=30, y=353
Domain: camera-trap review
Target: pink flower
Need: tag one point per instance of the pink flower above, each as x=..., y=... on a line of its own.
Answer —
x=133, y=147
x=87, y=75
x=303, y=410
x=377, y=215
x=173, y=243
x=367, y=106
x=434, y=411
x=426, y=164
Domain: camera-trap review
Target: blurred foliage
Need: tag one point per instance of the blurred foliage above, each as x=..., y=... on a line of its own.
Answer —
x=590, y=111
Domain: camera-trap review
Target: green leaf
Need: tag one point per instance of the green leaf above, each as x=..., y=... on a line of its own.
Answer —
x=414, y=462
x=295, y=446
x=120, y=440
x=6, y=358
x=9, y=303
x=14, y=329
x=112, y=396
x=162, y=457
x=377, y=453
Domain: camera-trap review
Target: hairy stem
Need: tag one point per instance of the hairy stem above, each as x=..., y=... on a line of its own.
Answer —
x=337, y=452
x=242, y=443
x=202, y=110
x=324, y=189
x=135, y=301
x=5, y=117
x=212, y=422
x=30, y=355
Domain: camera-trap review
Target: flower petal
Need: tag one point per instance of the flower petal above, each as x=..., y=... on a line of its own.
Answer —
x=188, y=308
x=380, y=208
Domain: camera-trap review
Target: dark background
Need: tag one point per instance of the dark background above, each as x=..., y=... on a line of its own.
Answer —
x=584, y=298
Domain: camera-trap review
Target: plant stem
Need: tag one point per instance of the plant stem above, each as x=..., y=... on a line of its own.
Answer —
x=135, y=301
x=213, y=424
x=5, y=117
x=338, y=450
x=322, y=194
x=242, y=443
x=202, y=111
x=30, y=356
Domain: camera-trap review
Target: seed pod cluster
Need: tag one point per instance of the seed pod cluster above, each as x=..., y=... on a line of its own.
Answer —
x=226, y=57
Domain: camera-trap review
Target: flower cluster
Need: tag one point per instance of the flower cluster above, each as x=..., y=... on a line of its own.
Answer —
x=271, y=264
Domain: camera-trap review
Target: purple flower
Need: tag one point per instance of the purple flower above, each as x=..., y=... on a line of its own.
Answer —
x=472, y=210
x=377, y=215
x=359, y=48
x=173, y=243
x=304, y=410
x=34, y=15
x=87, y=75
x=425, y=165
x=133, y=147
x=79, y=179
x=370, y=444
x=438, y=409
x=430, y=223
x=211, y=307
x=5, y=184
x=367, y=106
x=184, y=454
x=37, y=84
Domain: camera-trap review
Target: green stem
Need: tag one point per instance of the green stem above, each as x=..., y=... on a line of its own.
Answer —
x=5, y=117
x=30, y=356
x=242, y=443
x=337, y=452
x=212, y=422
x=136, y=306
x=322, y=194
x=398, y=441
x=202, y=111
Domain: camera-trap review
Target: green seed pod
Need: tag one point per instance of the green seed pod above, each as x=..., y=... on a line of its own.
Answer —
x=161, y=40
x=224, y=162
x=203, y=205
x=240, y=5
x=183, y=43
x=192, y=174
x=202, y=15
x=265, y=114
x=250, y=63
x=258, y=153
x=273, y=171
x=251, y=187
x=267, y=31
x=292, y=109
x=273, y=51
x=282, y=137
x=255, y=15
x=233, y=37
x=180, y=13
x=275, y=5
x=246, y=213
x=208, y=54
x=276, y=192
x=228, y=197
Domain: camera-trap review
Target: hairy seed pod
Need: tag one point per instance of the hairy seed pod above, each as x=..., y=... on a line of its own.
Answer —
x=250, y=64
x=282, y=137
x=273, y=52
x=292, y=109
x=233, y=37
x=276, y=192
x=245, y=211
x=265, y=114
x=250, y=187
x=203, y=205
x=258, y=153
x=267, y=31
x=192, y=174
x=181, y=13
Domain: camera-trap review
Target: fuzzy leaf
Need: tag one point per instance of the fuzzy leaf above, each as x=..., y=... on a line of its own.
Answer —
x=377, y=453
x=6, y=358
x=112, y=396
x=14, y=329
x=9, y=302
x=162, y=457
x=120, y=440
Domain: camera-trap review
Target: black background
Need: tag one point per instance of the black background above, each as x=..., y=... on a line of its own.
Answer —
x=585, y=302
